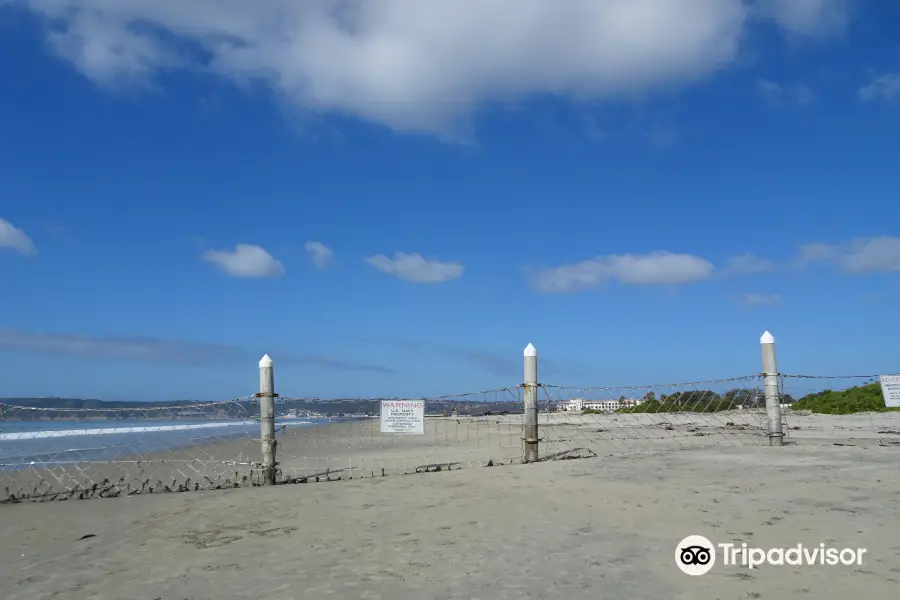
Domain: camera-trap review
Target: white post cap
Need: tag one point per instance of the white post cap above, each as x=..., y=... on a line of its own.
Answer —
x=265, y=362
x=530, y=350
x=767, y=338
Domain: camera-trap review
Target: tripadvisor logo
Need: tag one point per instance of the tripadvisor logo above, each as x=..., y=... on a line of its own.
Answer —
x=696, y=555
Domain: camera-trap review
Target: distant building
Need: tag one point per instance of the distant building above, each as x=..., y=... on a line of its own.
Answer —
x=580, y=404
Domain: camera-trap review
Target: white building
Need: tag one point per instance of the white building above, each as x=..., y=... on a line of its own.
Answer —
x=580, y=404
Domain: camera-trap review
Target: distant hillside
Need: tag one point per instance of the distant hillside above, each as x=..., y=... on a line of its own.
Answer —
x=94, y=409
x=85, y=403
x=373, y=407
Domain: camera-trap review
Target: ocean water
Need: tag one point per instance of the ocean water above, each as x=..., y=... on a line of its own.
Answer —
x=46, y=443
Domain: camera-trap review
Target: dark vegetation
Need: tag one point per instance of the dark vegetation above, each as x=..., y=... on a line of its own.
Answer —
x=701, y=401
x=865, y=398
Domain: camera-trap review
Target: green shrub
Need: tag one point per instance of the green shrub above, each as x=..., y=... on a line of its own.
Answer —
x=864, y=398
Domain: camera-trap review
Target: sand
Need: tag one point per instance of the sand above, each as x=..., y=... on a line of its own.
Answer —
x=590, y=528
x=604, y=526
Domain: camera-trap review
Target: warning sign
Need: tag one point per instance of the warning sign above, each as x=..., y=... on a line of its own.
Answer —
x=402, y=416
x=890, y=389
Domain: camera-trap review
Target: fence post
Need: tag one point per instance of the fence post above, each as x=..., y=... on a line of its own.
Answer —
x=773, y=398
x=530, y=427
x=267, y=418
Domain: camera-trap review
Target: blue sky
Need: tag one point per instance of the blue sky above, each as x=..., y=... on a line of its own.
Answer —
x=394, y=198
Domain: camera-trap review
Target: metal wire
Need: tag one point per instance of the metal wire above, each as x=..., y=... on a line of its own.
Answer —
x=658, y=385
x=794, y=376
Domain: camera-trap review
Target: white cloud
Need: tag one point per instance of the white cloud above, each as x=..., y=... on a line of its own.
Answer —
x=806, y=17
x=761, y=299
x=861, y=255
x=320, y=254
x=413, y=267
x=802, y=94
x=884, y=87
x=411, y=64
x=245, y=261
x=775, y=93
x=13, y=238
x=817, y=252
x=655, y=268
x=749, y=264
x=769, y=90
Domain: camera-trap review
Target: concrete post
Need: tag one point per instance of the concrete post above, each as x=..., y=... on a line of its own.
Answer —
x=773, y=398
x=530, y=427
x=267, y=418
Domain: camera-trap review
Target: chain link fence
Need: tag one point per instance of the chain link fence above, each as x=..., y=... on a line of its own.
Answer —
x=61, y=453
x=842, y=409
x=52, y=453
x=460, y=431
x=611, y=420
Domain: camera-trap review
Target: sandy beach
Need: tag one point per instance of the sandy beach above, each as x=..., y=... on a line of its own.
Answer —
x=590, y=528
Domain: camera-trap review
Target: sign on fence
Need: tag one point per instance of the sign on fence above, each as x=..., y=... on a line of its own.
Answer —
x=402, y=416
x=890, y=389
